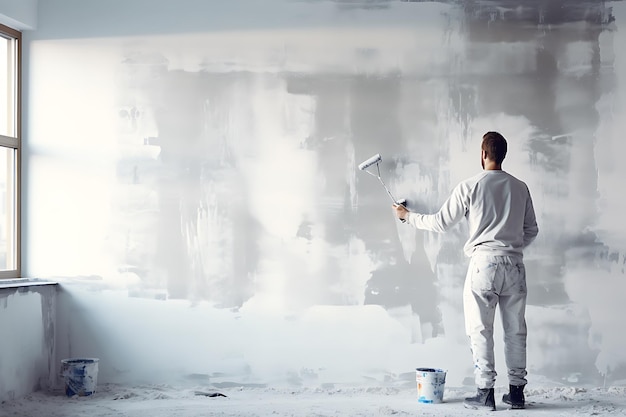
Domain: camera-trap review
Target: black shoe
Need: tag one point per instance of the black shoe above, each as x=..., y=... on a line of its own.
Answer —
x=484, y=399
x=515, y=397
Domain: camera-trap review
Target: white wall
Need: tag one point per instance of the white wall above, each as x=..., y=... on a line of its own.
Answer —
x=190, y=176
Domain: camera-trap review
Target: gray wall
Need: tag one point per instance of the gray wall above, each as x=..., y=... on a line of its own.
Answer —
x=20, y=15
x=191, y=178
x=27, y=342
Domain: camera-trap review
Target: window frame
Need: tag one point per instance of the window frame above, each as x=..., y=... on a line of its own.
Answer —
x=14, y=142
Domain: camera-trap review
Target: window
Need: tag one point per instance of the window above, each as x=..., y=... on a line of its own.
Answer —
x=10, y=130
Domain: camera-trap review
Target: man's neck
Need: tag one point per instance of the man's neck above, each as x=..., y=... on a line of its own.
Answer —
x=492, y=166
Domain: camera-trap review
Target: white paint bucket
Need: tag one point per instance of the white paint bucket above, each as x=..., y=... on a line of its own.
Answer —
x=81, y=376
x=430, y=385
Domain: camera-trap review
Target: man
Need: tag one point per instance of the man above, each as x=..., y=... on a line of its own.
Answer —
x=501, y=220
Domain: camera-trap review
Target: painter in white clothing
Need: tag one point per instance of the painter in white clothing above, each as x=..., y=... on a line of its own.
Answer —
x=501, y=219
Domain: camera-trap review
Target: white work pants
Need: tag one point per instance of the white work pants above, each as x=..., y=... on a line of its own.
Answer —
x=493, y=280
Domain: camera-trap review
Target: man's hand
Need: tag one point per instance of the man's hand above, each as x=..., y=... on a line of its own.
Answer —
x=401, y=211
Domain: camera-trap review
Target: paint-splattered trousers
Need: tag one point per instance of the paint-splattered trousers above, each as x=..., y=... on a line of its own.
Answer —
x=496, y=281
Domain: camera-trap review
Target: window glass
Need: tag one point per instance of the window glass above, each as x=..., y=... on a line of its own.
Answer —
x=7, y=209
x=7, y=87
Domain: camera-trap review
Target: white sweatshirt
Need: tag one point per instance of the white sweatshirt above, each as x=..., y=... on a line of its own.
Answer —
x=498, y=209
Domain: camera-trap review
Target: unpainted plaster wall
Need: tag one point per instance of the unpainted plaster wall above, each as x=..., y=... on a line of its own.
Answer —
x=191, y=178
x=27, y=340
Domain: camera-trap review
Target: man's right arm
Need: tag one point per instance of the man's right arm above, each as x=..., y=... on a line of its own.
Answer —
x=450, y=213
x=530, y=222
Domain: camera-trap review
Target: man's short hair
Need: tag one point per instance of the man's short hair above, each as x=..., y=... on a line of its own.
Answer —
x=494, y=145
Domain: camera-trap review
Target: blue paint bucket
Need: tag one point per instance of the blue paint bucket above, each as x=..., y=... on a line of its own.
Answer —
x=430, y=385
x=81, y=376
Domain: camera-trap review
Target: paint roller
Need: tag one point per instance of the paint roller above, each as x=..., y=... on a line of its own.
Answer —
x=363, y=166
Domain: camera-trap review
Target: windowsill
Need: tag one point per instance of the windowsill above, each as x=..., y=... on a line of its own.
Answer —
x=24, y=282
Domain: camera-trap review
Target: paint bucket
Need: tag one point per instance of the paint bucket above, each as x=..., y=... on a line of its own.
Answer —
x=430, y=385
x=81, y=376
